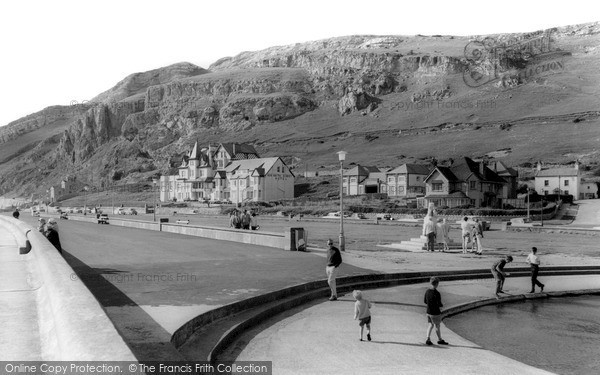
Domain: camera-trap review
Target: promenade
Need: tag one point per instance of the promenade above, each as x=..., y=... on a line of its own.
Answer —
x=319, y=337
x=19, y=331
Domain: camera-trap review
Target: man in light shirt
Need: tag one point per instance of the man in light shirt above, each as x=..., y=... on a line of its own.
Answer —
x=429, y=230
x=466, y=227
x=534, y=262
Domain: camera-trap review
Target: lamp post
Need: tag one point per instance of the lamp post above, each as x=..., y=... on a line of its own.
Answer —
x=85, y=189
x=154, y=182
x=342, y=157
x=528, y=203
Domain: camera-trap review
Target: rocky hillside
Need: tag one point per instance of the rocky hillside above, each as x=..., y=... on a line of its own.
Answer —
x=384, y=99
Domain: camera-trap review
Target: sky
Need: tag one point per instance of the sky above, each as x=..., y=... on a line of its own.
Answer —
x=56, y=52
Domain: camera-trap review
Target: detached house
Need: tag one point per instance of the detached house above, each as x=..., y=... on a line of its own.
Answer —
x=467, y=182
x=363, y=180
x=263, y=179
x=558, y=181
x=407, y=180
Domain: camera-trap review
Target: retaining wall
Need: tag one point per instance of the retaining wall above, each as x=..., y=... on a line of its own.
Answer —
x=73, y=325
x=262, y=238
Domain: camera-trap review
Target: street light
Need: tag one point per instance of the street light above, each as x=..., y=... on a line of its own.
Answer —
x=85, y=189
x=342, y=157
x=154, y=181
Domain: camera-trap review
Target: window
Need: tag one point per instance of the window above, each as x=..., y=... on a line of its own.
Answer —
x=418, y=178
x=401, y=179
x=546, y=183
x=566, y=183
x=392, y=190
x=390, y=180
x=545, y=192
x=277, y=169
x=400, y=190
x=352, y=179
x=437, y=186
x=566, y=192
x=472, y=185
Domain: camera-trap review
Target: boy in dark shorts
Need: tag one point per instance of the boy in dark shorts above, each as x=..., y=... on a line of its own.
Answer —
x=362, y=312
x=433, y=300
x=499, y=274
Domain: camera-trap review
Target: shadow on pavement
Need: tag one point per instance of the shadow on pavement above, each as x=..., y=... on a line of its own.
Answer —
x=144, y=336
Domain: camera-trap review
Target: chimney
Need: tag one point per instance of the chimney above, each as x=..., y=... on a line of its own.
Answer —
x=210, y=156
x=482, y=168
x=539, y=165
x=233, y=156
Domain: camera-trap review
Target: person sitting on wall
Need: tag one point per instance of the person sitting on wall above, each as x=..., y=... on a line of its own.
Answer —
x=51, y=234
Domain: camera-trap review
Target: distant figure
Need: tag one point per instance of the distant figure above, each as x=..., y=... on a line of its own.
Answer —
x=52, y=234
x=334, y=259
x=41, y=225
x=362, y=312
x=534, y=262
x=254, y=222
x=429, y=230
x=232, y=219
x=16, y=213
x=499, y=274
x=433, y=300
x=465, y=227
x=443, y=230
x=477, y=237
x=246, y=219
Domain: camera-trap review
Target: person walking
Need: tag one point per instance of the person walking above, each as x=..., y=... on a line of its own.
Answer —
x=433, y=300
x=429, y=230
x=499, y=274
x=16, y=213
x=334, y=259
x=362, y=312
x=534, y=263
x=51, y=234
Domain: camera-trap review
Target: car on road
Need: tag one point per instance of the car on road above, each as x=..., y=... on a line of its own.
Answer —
x=64, y=215
x=131, y=211
x=103, y=219
x=333, y=215
x=384, y=217
x=35, y=213
x=359, y=216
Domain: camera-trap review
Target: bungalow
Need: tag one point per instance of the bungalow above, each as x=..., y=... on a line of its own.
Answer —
x=467, y=182
x=363, y=180
x=407, y=180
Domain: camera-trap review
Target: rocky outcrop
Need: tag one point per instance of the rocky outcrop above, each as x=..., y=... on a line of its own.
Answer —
x=138, y=83
x=356, y=100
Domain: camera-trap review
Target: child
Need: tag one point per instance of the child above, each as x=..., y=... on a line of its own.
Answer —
x=362, y=313
x=534, y=262
x=433, y=300
x=499, y=274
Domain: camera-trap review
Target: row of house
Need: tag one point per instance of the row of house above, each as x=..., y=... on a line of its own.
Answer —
x=228, y=172
x=463, y=183
x=466, y=182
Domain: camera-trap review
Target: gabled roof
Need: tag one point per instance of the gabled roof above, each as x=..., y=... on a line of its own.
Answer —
x=234, y=149
x=360, y=170
x=411, y=169
x=502, y=170
x=555, y=172
x=446, y=172
x=263, y=165
x=467, y=167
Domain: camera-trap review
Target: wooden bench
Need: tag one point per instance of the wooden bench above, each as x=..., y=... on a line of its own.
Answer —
x=181, y=221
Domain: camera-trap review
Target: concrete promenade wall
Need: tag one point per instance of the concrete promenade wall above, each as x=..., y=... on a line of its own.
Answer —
x=283, y=300
x=73, y=325
x=262, y=238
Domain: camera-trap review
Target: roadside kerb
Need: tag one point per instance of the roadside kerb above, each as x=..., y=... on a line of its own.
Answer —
x=73, y=326
x=284, y=299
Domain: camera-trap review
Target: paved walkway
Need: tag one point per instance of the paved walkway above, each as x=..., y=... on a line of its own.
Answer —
x=19, y=330
x=588, y=214
x=322, y=338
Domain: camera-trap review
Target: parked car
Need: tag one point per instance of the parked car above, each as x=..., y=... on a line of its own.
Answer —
x=384, y=217
x=35, y=213
x=359, y=216
x=121, y=211
x=131, y=211
x=103, y=219
x=64, y=215
x=333, y=215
